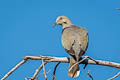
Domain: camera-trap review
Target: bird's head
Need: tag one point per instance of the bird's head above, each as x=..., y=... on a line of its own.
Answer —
x=62, y=20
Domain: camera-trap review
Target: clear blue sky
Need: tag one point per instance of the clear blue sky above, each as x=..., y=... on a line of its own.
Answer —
x=26, y=30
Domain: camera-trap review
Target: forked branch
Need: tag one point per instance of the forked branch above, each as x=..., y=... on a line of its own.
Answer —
x=60, y=59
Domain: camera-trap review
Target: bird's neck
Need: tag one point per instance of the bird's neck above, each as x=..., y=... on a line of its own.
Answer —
x=65, y=25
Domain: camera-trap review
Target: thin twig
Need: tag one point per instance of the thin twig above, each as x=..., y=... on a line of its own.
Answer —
x=89, y=75
x=44, y=70
x=26, y=78
x=114, y=76
x=53, y=77
x=118, y=8
x=91, y=59
x=41, y=74
x=29, y=78
x=38, y=70
x=13, y=69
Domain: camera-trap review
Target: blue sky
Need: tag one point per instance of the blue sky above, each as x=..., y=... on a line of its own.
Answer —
x=26, y=30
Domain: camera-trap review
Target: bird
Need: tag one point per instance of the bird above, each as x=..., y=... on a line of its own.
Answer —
x=74, y=41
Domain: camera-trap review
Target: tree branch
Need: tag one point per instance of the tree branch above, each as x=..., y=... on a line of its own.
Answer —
x=118, y=8
x=53, y=78
x=38, y=70
x=13, y=69
x=61, y=59
x=44, y=70
x=89, y=75
x=114, y=76
x=41, y=74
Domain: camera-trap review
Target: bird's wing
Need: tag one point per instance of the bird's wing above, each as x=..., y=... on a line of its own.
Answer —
x=83, y=38
x=74, y=36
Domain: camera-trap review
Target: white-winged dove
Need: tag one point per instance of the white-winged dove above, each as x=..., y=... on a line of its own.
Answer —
x=74, y=41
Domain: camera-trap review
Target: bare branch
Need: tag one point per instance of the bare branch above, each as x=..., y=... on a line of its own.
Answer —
x=118, y=8
x=114, y=76
x=44, y=70
x=61, y=59
x=66, y=60
x=38, y=70
x=13, y=69
x=55, y=70
x=42, y=73
x=89, y=75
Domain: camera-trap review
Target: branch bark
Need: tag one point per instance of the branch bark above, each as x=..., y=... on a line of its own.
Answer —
x=61, y=59
x=44, y=70
x=53, y=78
x=89, y=75
x=118, y=8
x=38, y=70
x=13, y=69
x=114, y=76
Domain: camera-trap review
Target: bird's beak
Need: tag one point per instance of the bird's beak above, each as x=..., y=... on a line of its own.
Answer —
x=54, y=25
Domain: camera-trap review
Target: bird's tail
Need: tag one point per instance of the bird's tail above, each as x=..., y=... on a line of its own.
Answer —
x=75, y=70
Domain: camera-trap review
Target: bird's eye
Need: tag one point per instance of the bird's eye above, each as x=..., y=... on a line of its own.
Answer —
x=60, y=18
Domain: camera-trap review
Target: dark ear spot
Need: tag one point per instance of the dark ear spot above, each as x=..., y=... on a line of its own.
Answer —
x=65, y=22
